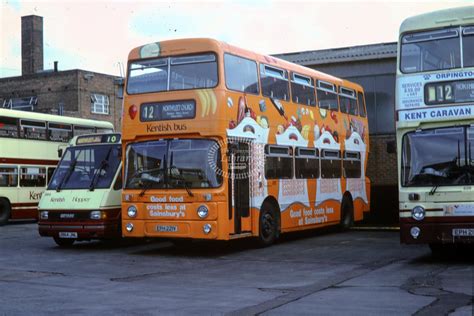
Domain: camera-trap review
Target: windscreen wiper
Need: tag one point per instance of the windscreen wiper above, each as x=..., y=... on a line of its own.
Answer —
x=433, y=190
x=103, y=165
x=67, y=175
x=181, y=177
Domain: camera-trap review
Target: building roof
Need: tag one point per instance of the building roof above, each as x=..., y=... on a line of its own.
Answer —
x=51, y=73
x=345, y=54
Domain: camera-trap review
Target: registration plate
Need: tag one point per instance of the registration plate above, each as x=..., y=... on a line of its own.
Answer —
x=463, y=232
x=67, y=235
x=167, y=228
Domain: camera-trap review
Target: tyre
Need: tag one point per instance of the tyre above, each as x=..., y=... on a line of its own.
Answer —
x=5, y=211
x=347, y=213
x=268, y=230
x=439, y=250
x=64, y=242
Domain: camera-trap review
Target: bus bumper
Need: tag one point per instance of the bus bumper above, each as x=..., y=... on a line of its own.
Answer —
x=84, y=230
x=457, y=231
x=170, y=229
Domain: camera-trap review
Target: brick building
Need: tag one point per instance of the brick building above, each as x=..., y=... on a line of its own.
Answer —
x=77, y=93
x=374, y=68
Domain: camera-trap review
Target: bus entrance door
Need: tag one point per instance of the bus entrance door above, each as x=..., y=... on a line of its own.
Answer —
x=239, y=184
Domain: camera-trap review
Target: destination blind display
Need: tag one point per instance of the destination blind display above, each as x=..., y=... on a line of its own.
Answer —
x=162, y=111
x=98, y=139
x=449, y=92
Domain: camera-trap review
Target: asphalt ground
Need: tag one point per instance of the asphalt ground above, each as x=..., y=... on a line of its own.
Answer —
x=324, y=272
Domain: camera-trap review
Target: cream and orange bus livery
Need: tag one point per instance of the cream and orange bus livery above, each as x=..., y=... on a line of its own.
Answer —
x=29, y=147
x=435, y=128
x=82, y=201
x=222, y=143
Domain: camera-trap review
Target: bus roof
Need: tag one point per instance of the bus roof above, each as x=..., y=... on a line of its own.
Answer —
x=439, y=19
x=54, y=118
x=195, y=45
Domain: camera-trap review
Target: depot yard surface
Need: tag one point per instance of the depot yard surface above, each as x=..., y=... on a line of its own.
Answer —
x=315, y=273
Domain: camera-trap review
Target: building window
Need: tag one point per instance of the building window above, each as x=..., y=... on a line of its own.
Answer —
x=99, y=104
x=23, y=103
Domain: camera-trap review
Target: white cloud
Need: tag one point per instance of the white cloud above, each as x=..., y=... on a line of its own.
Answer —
x=97, y=35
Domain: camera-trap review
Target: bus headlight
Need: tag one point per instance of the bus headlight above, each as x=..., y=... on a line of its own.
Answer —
x=418, y=213
x=207, y=228
x=132, y=211
x=415, y=232
x=202, y=211
x=129, y=227
x=96, y=215
x=44, y=215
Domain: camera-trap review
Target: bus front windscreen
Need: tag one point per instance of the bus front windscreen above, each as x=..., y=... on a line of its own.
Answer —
x=87, y=167
x=438, y=157
x=178, y=163
x=172, y=73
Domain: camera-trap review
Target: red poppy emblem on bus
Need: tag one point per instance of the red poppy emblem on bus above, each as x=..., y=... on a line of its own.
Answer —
x=132, y=111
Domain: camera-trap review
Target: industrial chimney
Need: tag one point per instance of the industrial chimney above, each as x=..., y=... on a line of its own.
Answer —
x=31, y=44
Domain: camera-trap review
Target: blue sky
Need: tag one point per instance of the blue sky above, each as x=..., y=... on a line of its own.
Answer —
x=97, y=35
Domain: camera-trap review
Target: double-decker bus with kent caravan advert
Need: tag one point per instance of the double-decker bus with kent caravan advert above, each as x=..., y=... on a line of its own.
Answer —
x=435, y=128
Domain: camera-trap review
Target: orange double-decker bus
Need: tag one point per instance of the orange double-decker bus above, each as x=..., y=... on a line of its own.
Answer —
x=222, y=143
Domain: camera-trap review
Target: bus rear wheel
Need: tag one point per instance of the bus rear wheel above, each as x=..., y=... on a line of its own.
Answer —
x=5, y=211
x=268, y=226
x=64, y=242
x=347, y=213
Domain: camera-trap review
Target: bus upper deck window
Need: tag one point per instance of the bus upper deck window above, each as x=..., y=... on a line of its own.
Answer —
x=468, y=46
x=347, y=101
x=8, y=127
x=274, y=82
x=327, y=95
x=241, y=74
x=302, y=90
x=361, y=101
x=33, y=129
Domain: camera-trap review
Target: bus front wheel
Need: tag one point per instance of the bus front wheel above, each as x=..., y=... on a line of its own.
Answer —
x=5, y=211
x=64, y=242
x=268, y=226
